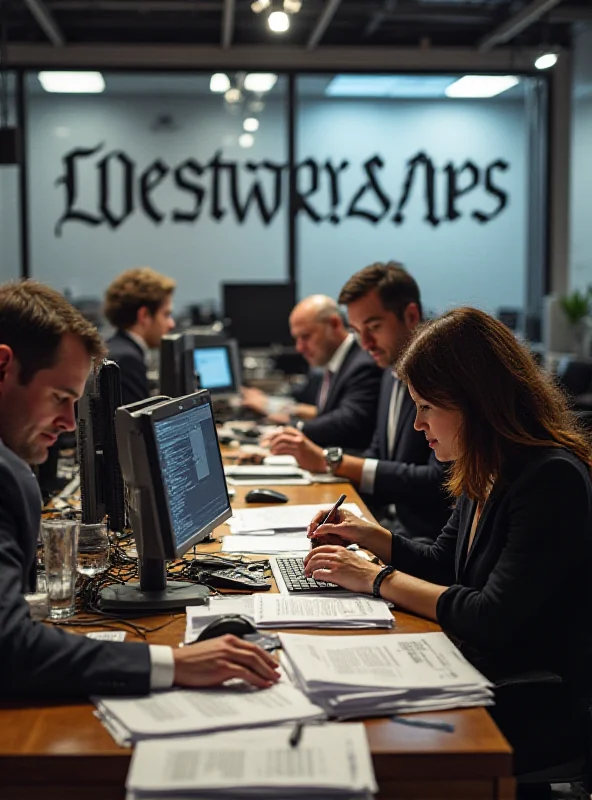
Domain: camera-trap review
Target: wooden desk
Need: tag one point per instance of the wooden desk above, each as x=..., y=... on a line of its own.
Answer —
x=62, y=752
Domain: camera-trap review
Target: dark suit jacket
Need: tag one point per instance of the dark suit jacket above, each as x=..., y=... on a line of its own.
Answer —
x=134, y=376
x=521, y=601
x=38, y=660
x=412, y=478
x=349, y=415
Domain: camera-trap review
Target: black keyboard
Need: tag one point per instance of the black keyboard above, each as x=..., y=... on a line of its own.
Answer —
x=292, y=571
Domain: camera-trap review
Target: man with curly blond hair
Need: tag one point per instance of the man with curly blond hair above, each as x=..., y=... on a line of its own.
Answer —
x=139, y=305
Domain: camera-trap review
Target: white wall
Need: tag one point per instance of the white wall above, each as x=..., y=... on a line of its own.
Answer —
x=581, y=163
x=455, y=262
x=198, y=254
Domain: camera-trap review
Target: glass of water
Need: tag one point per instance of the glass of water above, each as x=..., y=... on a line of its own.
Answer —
x=93, y=548
x=60, y=542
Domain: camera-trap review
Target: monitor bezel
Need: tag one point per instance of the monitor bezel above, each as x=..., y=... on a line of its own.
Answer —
x=231, y=347
x=155, y=414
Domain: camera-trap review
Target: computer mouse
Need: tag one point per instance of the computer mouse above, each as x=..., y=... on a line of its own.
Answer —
x=230, y=623
x=265, y=496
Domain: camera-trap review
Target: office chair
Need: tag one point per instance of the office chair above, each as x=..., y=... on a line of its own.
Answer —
x=576, y=378
x=577, y=766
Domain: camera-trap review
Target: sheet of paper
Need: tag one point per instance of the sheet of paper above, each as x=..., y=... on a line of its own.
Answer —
x=331, y=757
x=280, y=518
x=266, y=544
x=346, y=611
x=107, y=636
x=200, y=711
x=412, y=660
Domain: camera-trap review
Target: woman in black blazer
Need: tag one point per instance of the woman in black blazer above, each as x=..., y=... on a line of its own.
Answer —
x=509, y=577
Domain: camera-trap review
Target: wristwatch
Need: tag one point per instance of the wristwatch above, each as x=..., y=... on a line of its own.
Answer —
x=333, y=457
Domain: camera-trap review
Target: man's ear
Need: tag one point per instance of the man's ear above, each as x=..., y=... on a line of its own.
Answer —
x=143, y=316
x=6, y=361
x=411, y=316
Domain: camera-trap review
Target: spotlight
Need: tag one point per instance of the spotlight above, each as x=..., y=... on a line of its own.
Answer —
x=233, y=96
x=260, y=5
x=546, y=60
x=278, y=21
x=219, y=83
x=251, y=124
x=260, y=82
x=246, y=140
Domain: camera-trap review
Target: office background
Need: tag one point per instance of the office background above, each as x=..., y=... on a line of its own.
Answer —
x=180, y=192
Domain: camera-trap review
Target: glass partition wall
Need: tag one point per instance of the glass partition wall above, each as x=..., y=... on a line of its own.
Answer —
x=10, y=222
x=189, y=173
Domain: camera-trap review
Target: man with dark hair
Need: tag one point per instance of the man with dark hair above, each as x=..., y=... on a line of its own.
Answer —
x=398, y=472
x=345, y=400
x=139, y=304
x=46, y=350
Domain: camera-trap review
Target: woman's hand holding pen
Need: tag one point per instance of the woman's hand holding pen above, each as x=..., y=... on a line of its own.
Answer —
x=345, y=529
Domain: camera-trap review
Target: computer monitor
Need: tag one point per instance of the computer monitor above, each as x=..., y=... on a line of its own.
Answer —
x=177, y=374
x=177, y=495
x=101, y=482
x=258, y=312
x=217, y=364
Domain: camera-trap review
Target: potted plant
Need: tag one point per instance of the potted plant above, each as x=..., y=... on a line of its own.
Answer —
x=576, y=307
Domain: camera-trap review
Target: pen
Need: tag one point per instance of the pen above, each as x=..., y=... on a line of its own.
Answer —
x=296, y=734
x=326, y=518
x=424, y=723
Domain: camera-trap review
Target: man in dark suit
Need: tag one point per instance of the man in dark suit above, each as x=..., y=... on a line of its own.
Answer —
x=139, y=305
x=344, y=411
x=46, y=347
x=398, y=474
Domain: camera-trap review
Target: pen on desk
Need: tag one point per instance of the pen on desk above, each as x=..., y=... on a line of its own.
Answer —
x=296, y=734
x=424, y=723
x=326, y=518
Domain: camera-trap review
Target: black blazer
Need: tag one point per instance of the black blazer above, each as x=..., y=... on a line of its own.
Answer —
x=413, y=477
x=349, y=415
x=521, y=600
x=134, y=375
x=38, y=660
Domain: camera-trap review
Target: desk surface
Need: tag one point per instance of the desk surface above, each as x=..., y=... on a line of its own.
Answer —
x=63, y=751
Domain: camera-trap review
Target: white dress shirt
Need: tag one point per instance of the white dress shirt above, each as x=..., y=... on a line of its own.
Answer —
x=370, y=465
x=162, y=666
x=141, y=344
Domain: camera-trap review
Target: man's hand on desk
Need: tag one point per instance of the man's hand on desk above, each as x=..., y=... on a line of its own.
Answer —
x=255, y=399
x=290, y=442
x=214, y=661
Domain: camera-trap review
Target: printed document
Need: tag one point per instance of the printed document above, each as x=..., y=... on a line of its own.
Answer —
x=280, y=518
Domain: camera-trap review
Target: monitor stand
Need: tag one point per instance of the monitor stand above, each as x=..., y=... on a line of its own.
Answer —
x=153, y=593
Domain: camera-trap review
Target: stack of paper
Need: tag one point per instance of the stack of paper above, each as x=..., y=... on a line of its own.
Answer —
x=267, y=543
x=383, y=675
x=331, y=760
x=312, y=611
x=279, y=518
x=289, y=611
x=263, y=475
x=177, y=712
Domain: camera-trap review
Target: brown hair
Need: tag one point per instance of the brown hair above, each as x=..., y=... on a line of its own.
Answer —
x=394, y=285
x=469, y=361
x=33, y=319
x=133, y=290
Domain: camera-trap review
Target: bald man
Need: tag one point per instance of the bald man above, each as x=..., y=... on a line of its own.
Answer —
x=344, y=411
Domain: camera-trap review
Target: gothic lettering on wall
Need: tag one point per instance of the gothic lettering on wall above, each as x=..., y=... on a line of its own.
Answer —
x=229, y=190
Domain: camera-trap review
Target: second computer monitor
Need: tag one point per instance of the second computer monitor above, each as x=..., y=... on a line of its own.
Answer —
x=259, y=312
x=217, y=365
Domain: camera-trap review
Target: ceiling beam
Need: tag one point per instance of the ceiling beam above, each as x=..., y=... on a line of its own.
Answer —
x=228, y=23
x=323, y=23
x=266, y=59
x=141, y=6
x=47, y=22
x=516, y=24
x=568, y=14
